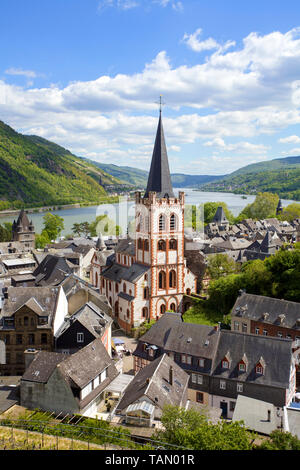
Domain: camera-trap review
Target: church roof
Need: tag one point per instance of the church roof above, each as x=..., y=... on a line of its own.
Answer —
x=159, y=179
x=220, y=216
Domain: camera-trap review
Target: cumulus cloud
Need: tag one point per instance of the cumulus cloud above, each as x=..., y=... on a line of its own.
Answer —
x=292, y=139
x=250, y=91
x=24, y=73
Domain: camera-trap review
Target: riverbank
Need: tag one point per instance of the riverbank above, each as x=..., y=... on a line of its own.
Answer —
x=56, y=207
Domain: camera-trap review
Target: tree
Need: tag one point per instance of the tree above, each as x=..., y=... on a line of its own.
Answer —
x=290, y=212
x=42, y=240
x=223, y=292
x=220, y=265
x=6, y=232
x=210, y=209
x=263, y=207
x=193, y=430
x=103, y=224
x=53, y=225
x=280, y=440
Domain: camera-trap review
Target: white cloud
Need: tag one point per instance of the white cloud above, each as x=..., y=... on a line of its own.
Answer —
x=247, y=92
x=24, y=73
x=192, y=41
x=292, y=139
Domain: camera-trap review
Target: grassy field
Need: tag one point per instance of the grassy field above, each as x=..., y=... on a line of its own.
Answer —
x=199, y=313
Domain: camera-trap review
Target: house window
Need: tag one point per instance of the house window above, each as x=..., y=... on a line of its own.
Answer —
x=231, y=405
x=257, y=331
x=201, y=362
x=242, y=367
x=244, y=327
x=186, y=359
x=222, y=385
x=239, y=388
x=140, y=244
x=259, y=369
x=103, y=375
x=19, y=339
x=236, y=326
x=44, y=338
x=80, y=337
x=146, y=292
x=279, y=334
x=199, y=397
x=25, y=321
x=146, y=245
x=225, y=364
x=265, y=332
x=31, y=338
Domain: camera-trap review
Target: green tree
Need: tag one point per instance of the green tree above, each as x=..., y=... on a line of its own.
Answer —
x=103, y=224
x=210, y=209
x=41, y=240
x=290, y=212
x=220, y=265
x=193, y=430
x=53, y=225
x=6, y=232
x=263, y=207
x=280, y=440
x=223, y=292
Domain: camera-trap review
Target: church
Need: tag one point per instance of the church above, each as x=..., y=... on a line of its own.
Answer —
x=149, y=274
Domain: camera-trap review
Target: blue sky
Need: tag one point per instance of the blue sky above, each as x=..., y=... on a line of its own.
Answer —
x=87, y=74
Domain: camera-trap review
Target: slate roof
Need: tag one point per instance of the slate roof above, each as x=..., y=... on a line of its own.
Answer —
x=118, y=273
x=255, y=306
x=159, y=179
x=276, y=354
x=153, y=381
x=42, y=366
x=91, y=317
x=51, y=271
x=42, y=300
x=84, y=365
x=126, y=246
x=220, y=217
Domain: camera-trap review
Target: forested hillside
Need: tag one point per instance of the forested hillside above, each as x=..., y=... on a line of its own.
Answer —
x=36, y=172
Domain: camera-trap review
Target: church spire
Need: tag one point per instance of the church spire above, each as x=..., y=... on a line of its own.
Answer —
x=159, y=179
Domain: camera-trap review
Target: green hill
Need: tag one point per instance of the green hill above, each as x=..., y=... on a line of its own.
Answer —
x=36, y=172
x=138, y=178
x=281, y=176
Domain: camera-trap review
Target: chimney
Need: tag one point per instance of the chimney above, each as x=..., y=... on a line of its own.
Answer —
x=171, y=375
x=29, y=355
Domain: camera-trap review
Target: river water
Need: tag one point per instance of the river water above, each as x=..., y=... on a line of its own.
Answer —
x=125, y=210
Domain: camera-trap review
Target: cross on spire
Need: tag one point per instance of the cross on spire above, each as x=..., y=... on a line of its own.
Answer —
x=161, y=103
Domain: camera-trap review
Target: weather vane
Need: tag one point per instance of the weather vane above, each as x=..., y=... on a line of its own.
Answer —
x=160, y=102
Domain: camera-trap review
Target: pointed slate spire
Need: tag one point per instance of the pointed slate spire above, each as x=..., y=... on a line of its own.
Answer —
x=159, y=179
x=279, y=207
x=100, y=245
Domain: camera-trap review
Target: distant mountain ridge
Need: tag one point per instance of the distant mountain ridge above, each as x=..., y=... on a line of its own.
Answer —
x=280, y=176
x=139, y=177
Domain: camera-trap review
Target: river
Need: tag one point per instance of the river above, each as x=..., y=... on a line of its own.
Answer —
x=235, y=203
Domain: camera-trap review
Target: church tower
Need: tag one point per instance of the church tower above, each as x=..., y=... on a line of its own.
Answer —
x=160, y=233
x=23, y=231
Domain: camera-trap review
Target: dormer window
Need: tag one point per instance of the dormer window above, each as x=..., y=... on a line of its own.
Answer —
x=242, y=367
x=259, y=369
x=225, y=364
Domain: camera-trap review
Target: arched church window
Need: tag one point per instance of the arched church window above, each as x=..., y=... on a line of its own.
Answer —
x=162, y=280
x=173, y=307
x=161, y=245
x=172, y=278
x=173, y=244
x=146, y=245
x=162, y=309
x=140, y=244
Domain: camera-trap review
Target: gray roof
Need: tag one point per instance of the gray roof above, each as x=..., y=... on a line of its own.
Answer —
x=254, y=413
x=118, y=273
x=42, y=366
x=220, y=217
x=275, y=353
x=42, y=300
x=126, y=246
x=84, y=365
x=91, y=317
x=255, y=307
x=153, y=381
x=159, y=179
